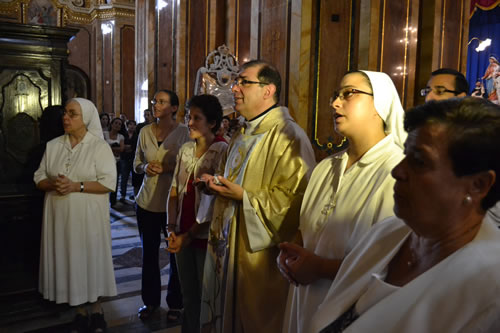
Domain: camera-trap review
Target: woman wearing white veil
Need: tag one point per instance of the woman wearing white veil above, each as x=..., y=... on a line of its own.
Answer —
x=77, y=172
x=347, y=193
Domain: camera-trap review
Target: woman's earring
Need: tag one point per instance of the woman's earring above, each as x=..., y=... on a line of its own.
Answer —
x=467, y=199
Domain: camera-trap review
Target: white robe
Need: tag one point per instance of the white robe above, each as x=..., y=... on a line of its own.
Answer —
x=75, y=260
x=363, y=195
x=494, y=213
x=459, y=294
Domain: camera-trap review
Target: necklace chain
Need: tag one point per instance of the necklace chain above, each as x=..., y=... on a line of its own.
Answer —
x=330, y=206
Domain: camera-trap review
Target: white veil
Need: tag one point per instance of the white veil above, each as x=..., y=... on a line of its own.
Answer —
x=388, y=105
x=90, y=116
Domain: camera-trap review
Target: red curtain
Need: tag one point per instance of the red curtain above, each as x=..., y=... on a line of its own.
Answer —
x=483, y=4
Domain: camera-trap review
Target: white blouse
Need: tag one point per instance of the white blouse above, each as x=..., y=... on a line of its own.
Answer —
x=154, y=190
x=188, y=164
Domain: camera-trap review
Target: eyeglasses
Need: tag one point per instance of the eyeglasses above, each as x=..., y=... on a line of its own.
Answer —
x=437, y=91
x=347, y=94
x=243, y=82
x=71, y=114
x=160, y=102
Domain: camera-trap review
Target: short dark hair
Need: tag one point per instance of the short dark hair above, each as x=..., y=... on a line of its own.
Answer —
x=210, y=107
x=473, y=127
x=174, y=99
x=131, y=121
x=461, y=84
x=104, y=114
x=115, y=119
x=267, y=73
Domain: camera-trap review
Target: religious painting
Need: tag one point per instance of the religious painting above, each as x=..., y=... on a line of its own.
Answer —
x=41, y=12
x=483, y=57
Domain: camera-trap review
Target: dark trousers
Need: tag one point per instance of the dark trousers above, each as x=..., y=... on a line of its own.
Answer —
x=126, y=168
x=174, y=294
x=150, y=226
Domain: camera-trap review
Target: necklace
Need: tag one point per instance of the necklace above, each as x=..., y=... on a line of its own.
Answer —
x=413, y=259
x=67, y=165
x=330, y=206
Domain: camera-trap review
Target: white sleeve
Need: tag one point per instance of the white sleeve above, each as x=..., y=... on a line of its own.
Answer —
x=258, y=236
x=105, y=166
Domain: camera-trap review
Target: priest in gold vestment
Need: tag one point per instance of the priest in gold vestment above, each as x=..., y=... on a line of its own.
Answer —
x=261, y=182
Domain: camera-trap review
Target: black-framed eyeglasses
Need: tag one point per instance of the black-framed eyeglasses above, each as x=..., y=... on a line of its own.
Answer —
x=244, y=82
x=437, y=91
x=160, y=102
x=347, y=94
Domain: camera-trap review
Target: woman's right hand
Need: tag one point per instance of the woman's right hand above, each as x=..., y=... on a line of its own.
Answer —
x=153, y=168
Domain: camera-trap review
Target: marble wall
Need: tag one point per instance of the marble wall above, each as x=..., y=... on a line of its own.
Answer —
x=312, y=42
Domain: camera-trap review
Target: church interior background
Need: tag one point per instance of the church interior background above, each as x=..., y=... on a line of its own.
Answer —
x=117, y=53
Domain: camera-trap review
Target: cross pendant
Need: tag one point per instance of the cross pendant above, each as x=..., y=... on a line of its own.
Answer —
x=328, y=208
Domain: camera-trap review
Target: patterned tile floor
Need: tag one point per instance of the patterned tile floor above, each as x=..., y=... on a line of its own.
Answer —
x=120, y=311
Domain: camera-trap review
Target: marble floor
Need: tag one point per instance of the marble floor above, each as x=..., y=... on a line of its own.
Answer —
x=120, y=311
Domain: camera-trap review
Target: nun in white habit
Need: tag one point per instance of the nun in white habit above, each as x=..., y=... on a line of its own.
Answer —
x=347, y=193
x=77, y=172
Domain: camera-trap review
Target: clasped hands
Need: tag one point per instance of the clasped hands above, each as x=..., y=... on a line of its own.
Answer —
x=297, y=264
x=153, y=168
x=225, y=188
x=63, y=185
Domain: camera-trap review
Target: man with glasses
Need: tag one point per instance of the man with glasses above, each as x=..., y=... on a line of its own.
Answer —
x=445, y=83
x=259, y=192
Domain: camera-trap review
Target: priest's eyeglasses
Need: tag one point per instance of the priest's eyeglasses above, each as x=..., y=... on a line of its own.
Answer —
x=347, y=94
x=437, y=91
x=160, y=102
x=241, y=82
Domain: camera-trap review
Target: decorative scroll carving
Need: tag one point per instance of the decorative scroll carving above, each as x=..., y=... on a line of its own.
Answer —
x=221, y=69
x=23, y=94
x=78, y=3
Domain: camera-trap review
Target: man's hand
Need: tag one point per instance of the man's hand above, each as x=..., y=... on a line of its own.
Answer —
x=298, y=265
x=228, y=189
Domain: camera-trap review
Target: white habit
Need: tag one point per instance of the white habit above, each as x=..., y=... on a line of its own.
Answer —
x=75, y=260
x=459, y=294
x=339, y=208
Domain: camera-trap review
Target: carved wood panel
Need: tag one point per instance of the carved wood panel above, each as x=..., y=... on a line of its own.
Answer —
x=333, y=56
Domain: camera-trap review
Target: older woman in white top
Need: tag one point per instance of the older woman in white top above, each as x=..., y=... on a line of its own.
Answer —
x=155, y=155
x=434, y=268
x=347, y=193
x=77, y=172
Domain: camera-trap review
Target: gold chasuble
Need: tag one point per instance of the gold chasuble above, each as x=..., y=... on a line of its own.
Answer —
x=243, y=290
